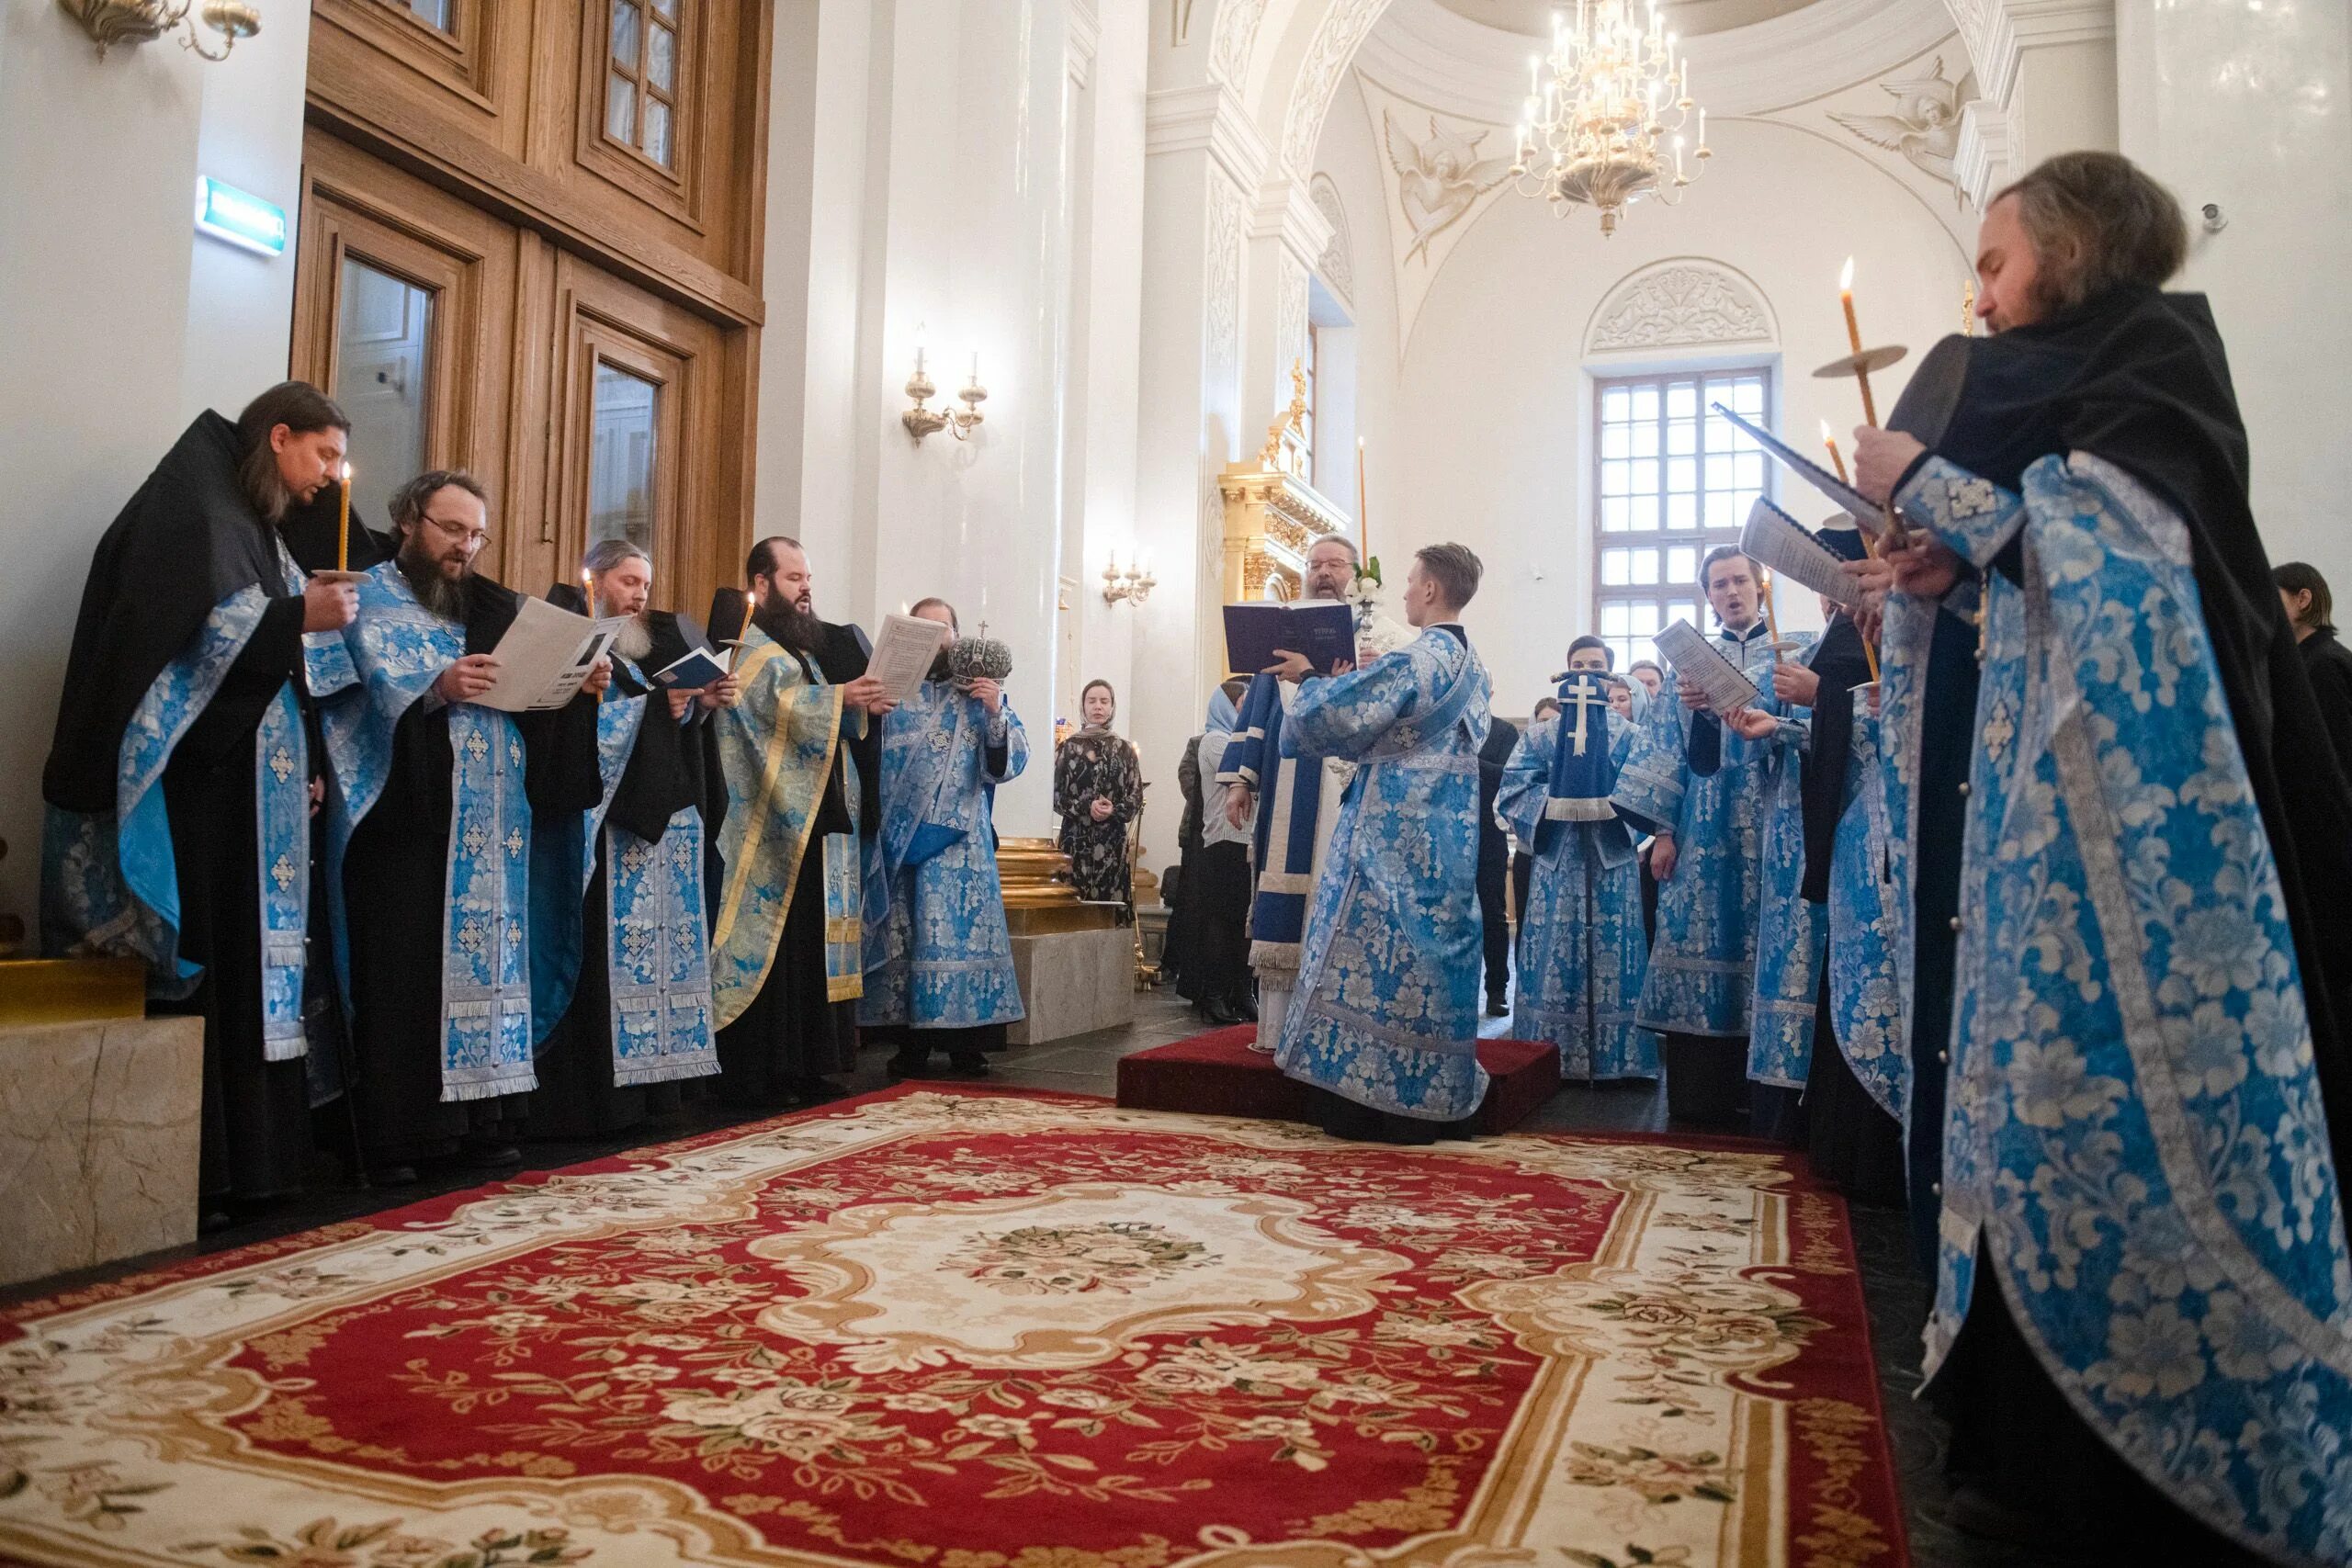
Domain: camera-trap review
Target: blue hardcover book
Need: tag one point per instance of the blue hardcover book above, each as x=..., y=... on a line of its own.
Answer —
x=698, y=669
x=1324, y=630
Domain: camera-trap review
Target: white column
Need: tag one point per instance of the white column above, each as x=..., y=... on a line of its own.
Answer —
x=2251, y=110
x=974, y=248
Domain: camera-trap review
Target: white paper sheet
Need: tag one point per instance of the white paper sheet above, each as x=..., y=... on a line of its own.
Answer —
x=902, y=654
x=1780, y=544
x=1694, y=657
x=545, y=656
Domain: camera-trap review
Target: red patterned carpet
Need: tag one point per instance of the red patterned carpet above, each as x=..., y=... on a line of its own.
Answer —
x=979, y=1330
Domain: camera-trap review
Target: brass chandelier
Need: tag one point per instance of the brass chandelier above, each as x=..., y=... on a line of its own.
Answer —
x=1611, y=124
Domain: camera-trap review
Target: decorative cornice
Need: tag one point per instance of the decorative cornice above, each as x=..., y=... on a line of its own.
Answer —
x=1287, y=210
x=1982, y=162
x=1998, y=32
x=1083, y=39
x=1210, y=118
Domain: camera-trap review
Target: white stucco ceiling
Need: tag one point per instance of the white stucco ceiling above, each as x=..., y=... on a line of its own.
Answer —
x=1689, y=17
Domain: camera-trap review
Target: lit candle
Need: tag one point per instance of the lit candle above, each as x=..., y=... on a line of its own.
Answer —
x=1846, y=298
x=1363, y=513
x=343, y=528
x=976, y=365
x=1837, y=459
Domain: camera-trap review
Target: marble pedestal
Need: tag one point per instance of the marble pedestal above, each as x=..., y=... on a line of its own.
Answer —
x=1073, y=982
x=98, y=1130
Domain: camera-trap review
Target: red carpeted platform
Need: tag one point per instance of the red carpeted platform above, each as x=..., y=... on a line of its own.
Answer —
x=1216, y=1074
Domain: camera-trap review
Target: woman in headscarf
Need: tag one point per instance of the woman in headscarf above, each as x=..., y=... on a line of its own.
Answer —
x=1098, y=790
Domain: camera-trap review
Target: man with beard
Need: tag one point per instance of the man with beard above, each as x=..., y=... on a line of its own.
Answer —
x=1302, y=803
x=939, y=966
x=639, y=1019
x=430, y=826
x=178, y=781
x=798, y=754
x=2142, y=1279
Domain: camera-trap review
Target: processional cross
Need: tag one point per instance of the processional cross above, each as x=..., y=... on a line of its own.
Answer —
x=1584, y=694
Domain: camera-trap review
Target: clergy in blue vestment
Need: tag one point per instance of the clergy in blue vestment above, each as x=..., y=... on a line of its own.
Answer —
x=2142, y=1291
x=1582, y=950
x=939, y=963
x=637, y=1022
x=1704, y=793
x=1296, y=802
x=1384, y=1026
x=799, y=751
x=177, y=784
x=431, y=819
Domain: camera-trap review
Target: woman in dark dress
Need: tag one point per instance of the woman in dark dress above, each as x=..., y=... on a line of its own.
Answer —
x=1098, y=791
x=2311, y=608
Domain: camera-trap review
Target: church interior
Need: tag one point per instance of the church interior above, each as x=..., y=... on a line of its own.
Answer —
x=1084, y=320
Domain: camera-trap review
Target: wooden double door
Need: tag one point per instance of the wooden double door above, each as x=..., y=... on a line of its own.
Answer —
x=590, y=407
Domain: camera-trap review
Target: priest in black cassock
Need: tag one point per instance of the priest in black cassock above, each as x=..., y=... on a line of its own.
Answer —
x=431, y=819
x=178, y=781
x=800, y=754
x=639, y=1027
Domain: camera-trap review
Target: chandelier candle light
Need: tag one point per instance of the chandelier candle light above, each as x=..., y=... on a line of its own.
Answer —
x=1607, y=129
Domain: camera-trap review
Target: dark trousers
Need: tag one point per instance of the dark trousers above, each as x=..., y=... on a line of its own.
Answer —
x=1706, y=1081
x=1217, y=894
x=1494, y=912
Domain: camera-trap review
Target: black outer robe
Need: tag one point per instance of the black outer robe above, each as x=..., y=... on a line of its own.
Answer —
x=793, y=1034
x=1494, y=860
x=188, y=539
x=395, y=892
x=2138, y=377
x=670, y=767
x=2328, y=663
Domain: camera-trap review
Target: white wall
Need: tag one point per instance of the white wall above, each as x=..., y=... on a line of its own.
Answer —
x=118, y=323
x=1481, y=435
x=2251, y=107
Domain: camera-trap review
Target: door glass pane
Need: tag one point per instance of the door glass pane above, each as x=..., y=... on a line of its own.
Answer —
x=620, y=110
x=382, y=340
x=620, y=459
x=438, y=14
x=667, y=10
x=657, y=135
x=661, y=59
x=624, y=35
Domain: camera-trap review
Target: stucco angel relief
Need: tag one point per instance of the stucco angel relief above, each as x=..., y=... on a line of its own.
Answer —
x=1438, y=178
x=1925, y=125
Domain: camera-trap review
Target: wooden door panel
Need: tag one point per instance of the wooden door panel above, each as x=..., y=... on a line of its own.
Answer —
x=357, y=209
x=617, y=344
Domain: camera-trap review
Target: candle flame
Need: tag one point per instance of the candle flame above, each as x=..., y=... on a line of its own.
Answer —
x=346, y=473
x=1845, y=278
x=1827, y=438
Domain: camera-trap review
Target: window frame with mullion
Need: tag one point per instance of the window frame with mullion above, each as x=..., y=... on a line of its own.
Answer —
x=637, y=74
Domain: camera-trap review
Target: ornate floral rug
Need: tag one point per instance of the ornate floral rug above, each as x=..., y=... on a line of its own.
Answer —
x=979, y=1330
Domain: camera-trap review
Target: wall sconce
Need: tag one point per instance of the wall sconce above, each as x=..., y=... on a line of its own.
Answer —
x=136, y=21
x=921, y=421
x=1134, y=585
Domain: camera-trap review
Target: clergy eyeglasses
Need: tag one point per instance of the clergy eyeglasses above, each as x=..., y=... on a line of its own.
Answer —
x=472, y=538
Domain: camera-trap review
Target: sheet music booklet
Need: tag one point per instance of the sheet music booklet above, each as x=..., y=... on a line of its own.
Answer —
x=1783, y=546
x=1865, y=512
x=1693, y=656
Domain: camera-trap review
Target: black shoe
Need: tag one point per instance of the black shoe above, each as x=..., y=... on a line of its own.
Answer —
x=906, y=1064
x=967, y=1065
x=1247, y=1008
x=1219, y=1015
x=1498, y=1007
x=487, y=1153
x=213, y=1221
x=392, y=1176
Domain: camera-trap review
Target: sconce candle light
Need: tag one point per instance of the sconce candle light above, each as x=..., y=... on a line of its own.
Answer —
x=1133, y=585
x=134, y=22
x=920, y=421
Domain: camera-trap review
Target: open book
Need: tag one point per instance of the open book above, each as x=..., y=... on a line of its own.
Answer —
x=1696, y=658
x=701, y=667
x=545, y=656
x=1780, y=544
x=1865, y=512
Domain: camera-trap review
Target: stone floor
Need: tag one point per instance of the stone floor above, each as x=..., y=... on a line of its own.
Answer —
x=1089, y=1065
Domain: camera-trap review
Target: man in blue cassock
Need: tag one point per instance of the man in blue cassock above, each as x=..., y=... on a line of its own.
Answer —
x=1704, y=794
x=1384, y=1023
x=178, y=783
x=2143, y=1288
x=431, y=815
x=1582, y=950
x=938, y=958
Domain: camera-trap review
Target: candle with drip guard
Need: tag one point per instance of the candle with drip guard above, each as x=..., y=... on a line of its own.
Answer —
x=343, y=528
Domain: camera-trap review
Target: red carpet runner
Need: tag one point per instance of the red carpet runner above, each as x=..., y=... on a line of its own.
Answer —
x=990, y=1331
